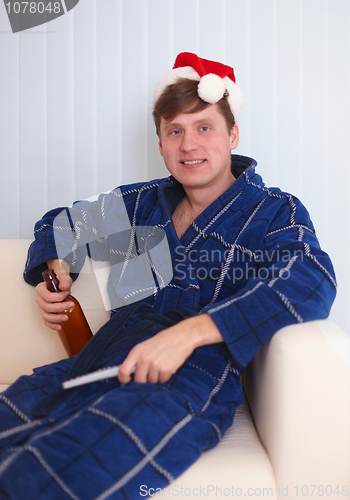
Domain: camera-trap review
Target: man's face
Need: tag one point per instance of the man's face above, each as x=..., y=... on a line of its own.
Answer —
x=196, y=148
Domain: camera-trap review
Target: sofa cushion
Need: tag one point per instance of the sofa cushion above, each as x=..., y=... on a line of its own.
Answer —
x=25, y=341
x=237, y=466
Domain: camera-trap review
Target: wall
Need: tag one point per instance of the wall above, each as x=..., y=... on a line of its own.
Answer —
x=76, y=97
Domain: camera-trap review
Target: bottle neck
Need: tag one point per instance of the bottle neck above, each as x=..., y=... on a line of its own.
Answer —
x=51, y=280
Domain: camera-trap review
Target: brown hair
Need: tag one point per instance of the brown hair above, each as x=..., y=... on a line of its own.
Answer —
x=182, y=97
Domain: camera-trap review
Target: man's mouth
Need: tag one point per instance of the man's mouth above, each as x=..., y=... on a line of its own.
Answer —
x=193, y=162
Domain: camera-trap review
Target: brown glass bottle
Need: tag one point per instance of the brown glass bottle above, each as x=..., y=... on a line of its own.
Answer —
x=75, y=333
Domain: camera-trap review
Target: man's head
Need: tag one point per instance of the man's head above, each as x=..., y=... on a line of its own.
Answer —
x=195, y=109
x=182, y=97
x=192, y=85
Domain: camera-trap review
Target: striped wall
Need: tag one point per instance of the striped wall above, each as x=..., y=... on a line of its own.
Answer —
x=76, y=97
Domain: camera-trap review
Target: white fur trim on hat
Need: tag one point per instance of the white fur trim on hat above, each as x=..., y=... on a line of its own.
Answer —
x=235, y=97
x=211, y=87
x=171, y=77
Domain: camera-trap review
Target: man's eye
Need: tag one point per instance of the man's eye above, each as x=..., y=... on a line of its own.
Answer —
x=175, y=132
x=205, y=129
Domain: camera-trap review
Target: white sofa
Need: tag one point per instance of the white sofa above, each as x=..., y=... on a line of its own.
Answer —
x=290, y=438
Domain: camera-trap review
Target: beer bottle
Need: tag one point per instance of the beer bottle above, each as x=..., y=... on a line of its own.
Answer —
x=75, y=332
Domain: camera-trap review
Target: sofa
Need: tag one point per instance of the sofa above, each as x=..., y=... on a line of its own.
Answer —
x=291, y=436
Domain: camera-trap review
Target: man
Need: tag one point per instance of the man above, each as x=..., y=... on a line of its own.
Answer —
x=245, y=262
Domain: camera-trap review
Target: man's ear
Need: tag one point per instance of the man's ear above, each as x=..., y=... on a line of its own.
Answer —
x=234, y=137
x=160, y=146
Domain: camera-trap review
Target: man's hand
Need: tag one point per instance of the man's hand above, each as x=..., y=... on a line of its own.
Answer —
x=157, y=359
x=51, y=304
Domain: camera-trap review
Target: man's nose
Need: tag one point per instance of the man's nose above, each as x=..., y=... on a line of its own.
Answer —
x=189, y=142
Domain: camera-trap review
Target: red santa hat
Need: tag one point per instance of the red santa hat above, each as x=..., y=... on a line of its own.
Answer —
x=214, y=79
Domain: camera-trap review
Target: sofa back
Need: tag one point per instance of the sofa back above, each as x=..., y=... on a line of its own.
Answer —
x=25, y=342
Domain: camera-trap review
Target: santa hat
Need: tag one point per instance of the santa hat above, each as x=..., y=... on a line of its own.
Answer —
x=214, y=79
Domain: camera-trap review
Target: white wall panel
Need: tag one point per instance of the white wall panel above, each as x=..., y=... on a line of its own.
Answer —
x=135, y=105
x=160, y=54
x=76, y=94
x=9, y=135
x=238, y=54
x=109, y=97
x=288, y=173
x=85, y=98
x=212, y=29
x=315, y=112
x=60, y=187
x=263, y=86
x=186, y=26
x=338, y=241
x=32, y=127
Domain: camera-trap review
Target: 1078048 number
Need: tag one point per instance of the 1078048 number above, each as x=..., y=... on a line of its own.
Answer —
x=320, y=490
x=33, y=7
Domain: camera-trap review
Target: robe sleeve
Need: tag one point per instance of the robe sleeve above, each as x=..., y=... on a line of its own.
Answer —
x=71, y=234
x=294, y=283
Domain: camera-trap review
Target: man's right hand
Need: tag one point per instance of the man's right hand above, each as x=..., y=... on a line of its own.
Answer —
x=53, y=305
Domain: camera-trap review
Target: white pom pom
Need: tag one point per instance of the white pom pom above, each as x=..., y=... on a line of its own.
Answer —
x=211, y=88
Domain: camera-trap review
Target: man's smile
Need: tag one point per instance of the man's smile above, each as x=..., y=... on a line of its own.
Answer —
x=192, y=162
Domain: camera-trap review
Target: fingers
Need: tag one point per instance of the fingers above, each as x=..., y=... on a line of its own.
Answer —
x=146, y=371
x=152, y=370
x=65, y=281
x=126, y=368
x=61, y=269
x=53, y=305
x=155, y=360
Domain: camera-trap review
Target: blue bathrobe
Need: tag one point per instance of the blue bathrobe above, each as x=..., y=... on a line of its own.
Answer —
x=251, y=260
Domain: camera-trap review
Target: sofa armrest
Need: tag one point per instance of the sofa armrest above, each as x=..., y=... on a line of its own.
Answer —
x=25, y=342
x=298, y=389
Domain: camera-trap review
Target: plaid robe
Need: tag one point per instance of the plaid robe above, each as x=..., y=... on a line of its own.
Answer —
x=104, y=440
x=251, y=260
